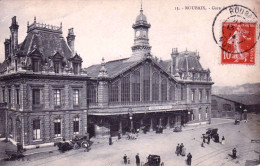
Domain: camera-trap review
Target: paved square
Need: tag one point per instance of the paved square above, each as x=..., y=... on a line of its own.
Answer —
x=214, y=154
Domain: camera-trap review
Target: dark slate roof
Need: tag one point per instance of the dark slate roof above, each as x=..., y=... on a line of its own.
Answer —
x=188, y=60
x=46, y=43
x=246, y=99
x=113, y=67
x=166, y=64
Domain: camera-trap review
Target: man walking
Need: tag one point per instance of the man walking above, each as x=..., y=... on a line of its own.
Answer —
x=177, y=150
x=125, y=159
x=189, y=156
x=137, y=159
x=208, y=139
x=234, y=153
x=181, y=146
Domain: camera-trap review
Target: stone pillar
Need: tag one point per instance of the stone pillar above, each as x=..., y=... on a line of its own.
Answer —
x=168, y=122
x=151, y=125
x=47, y=126
x=120, y=126
x=102, y=93
x=46, y=97
x=66, y=97
x=160, y=121
x=85, y=122
x=67, y=129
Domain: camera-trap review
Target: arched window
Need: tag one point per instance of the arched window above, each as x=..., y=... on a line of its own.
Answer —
x=125, y=88
x=172, y=93
x=164, y=90
x=146, y=83
x=135, y=86
x=113, y=92
x=92, y=92
x=155, y=86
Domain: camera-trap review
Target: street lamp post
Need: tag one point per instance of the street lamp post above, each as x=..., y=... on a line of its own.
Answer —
x=131, y=118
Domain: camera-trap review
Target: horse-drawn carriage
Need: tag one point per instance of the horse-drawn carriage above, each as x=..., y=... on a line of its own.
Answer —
x=153, y=160
x=212, y=133
x=79, y=141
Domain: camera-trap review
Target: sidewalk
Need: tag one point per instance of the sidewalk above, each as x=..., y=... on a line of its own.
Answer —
x=104, y=141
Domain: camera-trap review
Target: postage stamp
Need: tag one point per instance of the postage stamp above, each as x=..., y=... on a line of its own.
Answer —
x=235, y=29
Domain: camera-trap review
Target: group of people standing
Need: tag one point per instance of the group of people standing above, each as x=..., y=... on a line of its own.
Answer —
x=127, y=160
x=180, y=150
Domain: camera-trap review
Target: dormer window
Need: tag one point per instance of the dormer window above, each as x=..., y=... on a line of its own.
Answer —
x=35, y=65
x=75, y=68
x=76, y=63
x=56, y=66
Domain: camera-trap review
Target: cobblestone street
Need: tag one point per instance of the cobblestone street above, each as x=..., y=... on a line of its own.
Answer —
x=215, y=154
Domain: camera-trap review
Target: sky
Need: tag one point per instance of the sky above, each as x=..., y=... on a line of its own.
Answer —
x=103, y=28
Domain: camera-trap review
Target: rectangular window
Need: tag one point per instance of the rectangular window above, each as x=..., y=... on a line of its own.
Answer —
x=36, y=129
x=75, y=97
x=57, y=97
x=36, y=96
x=200, y=95
x=199, y=116
x=182, y=93
x=17, y=96
x=3, y=91
x=57, y=127
x=207, y=95
x=92, y=93
x=193, y=95
x=76, y=125
x=9, y=96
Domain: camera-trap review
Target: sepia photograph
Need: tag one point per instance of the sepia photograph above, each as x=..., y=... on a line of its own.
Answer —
x=129, y=82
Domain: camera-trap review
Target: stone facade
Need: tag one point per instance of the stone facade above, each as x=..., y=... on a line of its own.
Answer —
x=45, y=88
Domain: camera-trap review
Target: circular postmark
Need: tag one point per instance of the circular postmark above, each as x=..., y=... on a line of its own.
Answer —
x=235, y=29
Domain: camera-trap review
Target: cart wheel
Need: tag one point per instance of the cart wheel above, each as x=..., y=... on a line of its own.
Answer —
x=76, y=146
x=84, y=144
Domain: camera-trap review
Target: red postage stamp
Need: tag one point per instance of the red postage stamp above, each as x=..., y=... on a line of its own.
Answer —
x=238, y=43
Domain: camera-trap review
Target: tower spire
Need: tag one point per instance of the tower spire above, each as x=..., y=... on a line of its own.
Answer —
x=141, y=4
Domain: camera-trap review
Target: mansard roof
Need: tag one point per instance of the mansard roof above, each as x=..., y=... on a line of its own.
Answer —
x=45, y=42
x=186, y=61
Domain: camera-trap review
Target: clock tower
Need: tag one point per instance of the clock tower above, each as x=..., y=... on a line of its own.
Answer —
x=141, y=45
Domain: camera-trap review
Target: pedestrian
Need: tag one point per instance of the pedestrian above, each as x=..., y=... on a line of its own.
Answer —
x=183, y=151
x=223, y=140
x=177, y=150
x=137, y=159
x=110, y=140
x=234, y=153
x=208, y=139
x=189, y=156
x=181, y=146
x=204, y=141
x=119, y=136
x=202, y=144
x=125, y=159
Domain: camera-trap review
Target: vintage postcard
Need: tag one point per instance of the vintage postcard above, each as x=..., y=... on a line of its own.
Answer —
x=130, y=82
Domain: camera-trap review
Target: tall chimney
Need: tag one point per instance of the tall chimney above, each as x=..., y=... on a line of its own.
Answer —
x=71, y=40
x=14, y=35
x=7, y=48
